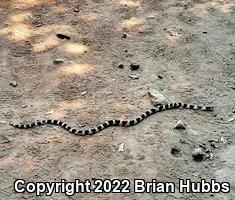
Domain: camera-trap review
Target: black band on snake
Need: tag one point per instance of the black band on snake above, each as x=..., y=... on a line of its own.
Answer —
x=100, y=127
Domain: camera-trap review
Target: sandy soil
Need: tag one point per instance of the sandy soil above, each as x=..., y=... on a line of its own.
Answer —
x=189, y=43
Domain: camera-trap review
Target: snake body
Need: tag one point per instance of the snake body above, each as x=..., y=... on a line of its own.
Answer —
x=109, y=123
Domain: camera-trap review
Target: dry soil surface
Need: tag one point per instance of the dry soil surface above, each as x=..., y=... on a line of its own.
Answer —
x=185, y=49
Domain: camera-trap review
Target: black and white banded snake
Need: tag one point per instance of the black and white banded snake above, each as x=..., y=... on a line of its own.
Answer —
x=100, y=127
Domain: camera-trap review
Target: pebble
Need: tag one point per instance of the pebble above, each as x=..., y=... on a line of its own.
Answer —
x=121, y=147
x=134, y=66
x=211, y=156
x=13, y=83
x=223, y=140
x=204, y=32
x=23, y=106
x=183, y=141
x=231, y=119
x=213, y=140
x=3, y=122
x=120, y=66
x=124, y=35
x=175, y=151
x=58, y=61
x=180, y=125
x=49, y=112
x=134, y=76
x=84, y=93
x=203, y=145
x=198, y=154
x=214, y=145
x=76, y=8
x=159, y=76
x=38, y=25
x=63, y=36
x=150, y=17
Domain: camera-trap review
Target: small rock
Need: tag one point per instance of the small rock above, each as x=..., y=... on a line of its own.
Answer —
x=84, y=93
x=150, y=17
x=211, y=156
x=121, y=147
x=233, y=111
x=183, y=141
x=198, y=154
x=213, y=140
x=134, y=76
x=13, y=83
x=231, y=119
x=214, y=145
x=81, y=125
x=38, y=25
x=204, y=32
x=223, y=140
x=180, y=125
x=120, y=66
x=124, y=35
x=203, y=145
x=63, y=36
x=159, y=76
x=3, y=122
x=134, y=66
x=175, y=151
x=49, y=112
x=58, y=61
x=222, y=95
x=76, y=8
x=157, y=97
x=23, y=106
x=125, y=50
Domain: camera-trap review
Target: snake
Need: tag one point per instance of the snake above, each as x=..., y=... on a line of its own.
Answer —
x=109, y=123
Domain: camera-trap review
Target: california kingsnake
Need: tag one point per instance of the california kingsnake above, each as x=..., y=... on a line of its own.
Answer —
x=157, y=108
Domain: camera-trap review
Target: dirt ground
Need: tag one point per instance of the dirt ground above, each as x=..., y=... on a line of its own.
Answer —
x=186, y=49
